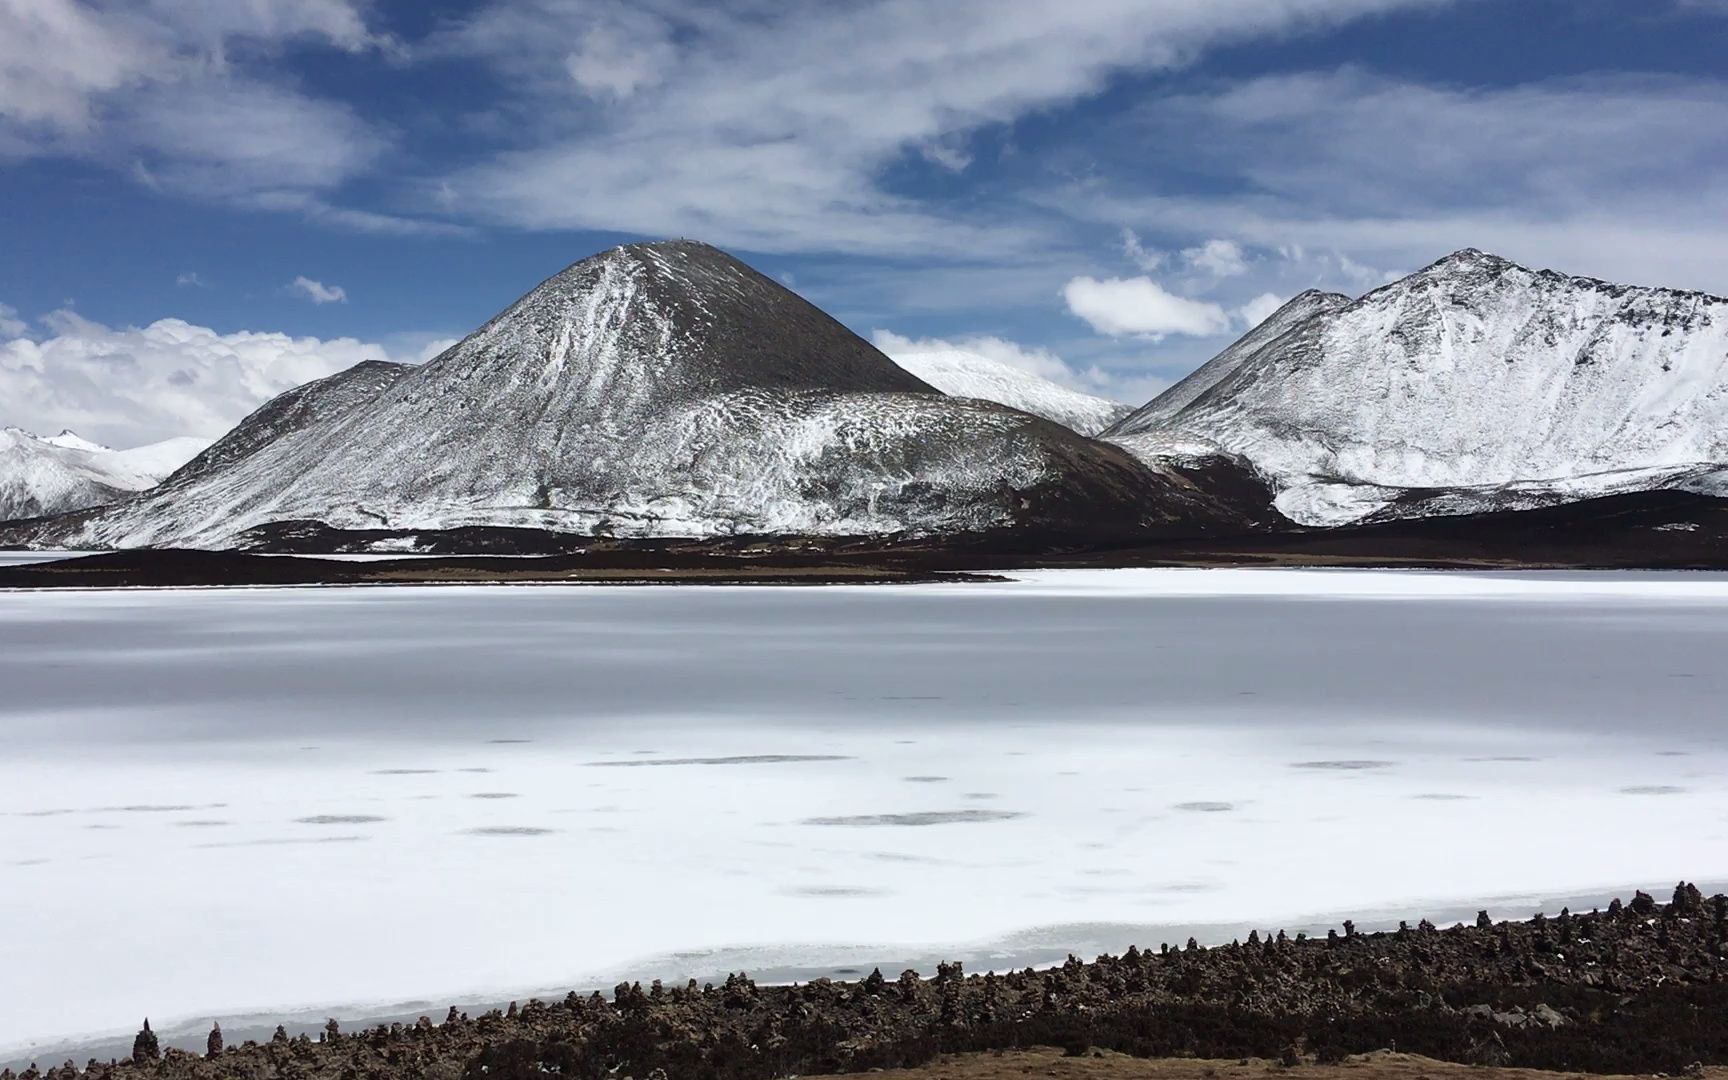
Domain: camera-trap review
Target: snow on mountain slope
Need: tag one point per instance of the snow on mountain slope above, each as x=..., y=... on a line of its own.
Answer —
x=66, y=472
x=654, y=389
x=1156, y=412
x=71, y=440
x=1474, y=373
x=969, y=375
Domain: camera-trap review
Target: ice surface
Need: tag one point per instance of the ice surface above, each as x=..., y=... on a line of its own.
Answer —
x=219, y=802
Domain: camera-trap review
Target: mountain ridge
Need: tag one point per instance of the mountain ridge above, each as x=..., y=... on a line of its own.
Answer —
x=662, y=389
x=1472, y=373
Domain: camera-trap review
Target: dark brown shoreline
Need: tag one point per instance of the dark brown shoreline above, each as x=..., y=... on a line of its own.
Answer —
x=1660, y=530
x=1640, y=987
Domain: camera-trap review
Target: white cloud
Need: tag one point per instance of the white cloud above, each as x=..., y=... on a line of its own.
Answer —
x=130, y=386
x=1139, y=254
x=1259, y=309
x=775, y=124
x=191, y=277
x=614, y=60
x=242, y=139
x=1219, y=258
x=1372, y=172
x=1141, y=307
x=11, y=326
x=317, y=291
x=178, y=94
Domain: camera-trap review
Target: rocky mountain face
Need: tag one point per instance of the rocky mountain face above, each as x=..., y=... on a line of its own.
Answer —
x=1474, y=384
x=969, y=375
x=66, y=472
x=653, y=390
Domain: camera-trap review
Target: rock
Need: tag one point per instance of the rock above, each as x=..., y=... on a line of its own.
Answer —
x=145, y=1047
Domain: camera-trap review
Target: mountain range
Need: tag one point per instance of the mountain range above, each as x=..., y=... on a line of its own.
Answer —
x=1474, y=384
x=64, y=472
x=667, y=389
x=661, y=389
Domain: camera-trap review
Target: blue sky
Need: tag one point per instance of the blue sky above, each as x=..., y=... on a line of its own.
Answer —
x=1106, y=191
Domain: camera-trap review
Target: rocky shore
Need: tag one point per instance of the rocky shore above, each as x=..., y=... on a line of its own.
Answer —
x=1638, y=987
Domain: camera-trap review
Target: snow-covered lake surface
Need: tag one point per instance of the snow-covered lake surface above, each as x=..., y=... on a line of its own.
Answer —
x=362, y=802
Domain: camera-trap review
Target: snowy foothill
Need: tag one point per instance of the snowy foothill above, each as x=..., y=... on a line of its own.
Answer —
x=359, y=802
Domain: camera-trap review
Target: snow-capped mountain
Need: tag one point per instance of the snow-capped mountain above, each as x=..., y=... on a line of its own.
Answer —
x=71, y=440
x=65, y=472
x=655, y=389
x=967, y=374
x=1153, y=415
x=1472, y=384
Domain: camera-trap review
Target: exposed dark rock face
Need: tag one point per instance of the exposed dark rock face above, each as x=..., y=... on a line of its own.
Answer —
x=322, y=400
x=1641, y=987
x=146, y=1047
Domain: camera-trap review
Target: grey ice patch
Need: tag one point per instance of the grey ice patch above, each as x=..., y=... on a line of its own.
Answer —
x=276, y=841
x=1348, y=765
x=494, y=795
x=199, y=823
x=42, y=813
x=1204, y=807
x=836, y=892
x=1442, y=796
x=922, y=817
x=148, y=809
x=902, y=857
x=403, y=772
x=1509, y=758
x=339, y=819
x=980, y=795
x=742, y=759
x=475, y=768
x=1653, y=789
x=510, y=830
x=925, y=779
x=508, y=742
x=29, y=862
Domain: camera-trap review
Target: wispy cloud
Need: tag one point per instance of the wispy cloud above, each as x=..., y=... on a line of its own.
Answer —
x=317, y=291
x=770, y=126
x=1373, y=172
x=183, y=97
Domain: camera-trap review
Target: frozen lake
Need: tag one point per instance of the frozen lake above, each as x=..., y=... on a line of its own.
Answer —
x=216, y=802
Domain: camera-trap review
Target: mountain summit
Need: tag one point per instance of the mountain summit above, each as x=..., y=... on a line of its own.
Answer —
x=1470, y=375
x=661, y=389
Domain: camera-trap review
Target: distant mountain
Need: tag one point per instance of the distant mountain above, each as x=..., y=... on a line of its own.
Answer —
x=1474, y=384
x=967, y=374
x=71, y=440
x=65, y=472
x=654, y=390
